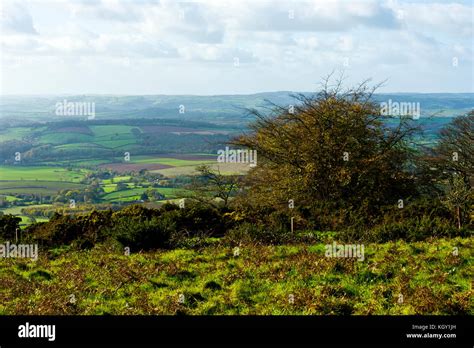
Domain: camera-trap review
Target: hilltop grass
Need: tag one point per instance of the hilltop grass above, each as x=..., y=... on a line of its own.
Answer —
x=261, y=280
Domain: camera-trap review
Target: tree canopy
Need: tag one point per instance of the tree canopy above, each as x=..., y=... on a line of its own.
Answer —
x=334, y=146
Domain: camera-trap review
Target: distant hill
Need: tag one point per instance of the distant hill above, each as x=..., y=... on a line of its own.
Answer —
x=221, y=109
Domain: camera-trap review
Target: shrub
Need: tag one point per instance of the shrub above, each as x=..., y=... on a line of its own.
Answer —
x=146, y=235
x=197, y=220
x=247, y=233
x=83, y=231
x=8, y=226
x=410, y=229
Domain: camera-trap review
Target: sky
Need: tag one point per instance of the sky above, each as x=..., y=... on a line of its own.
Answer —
x=233, y=47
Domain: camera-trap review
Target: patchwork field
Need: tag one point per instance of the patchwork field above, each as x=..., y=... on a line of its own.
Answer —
x=38, y=180
x=107, y=136
x=49, y=180
x=159, y=162
x=224, y=168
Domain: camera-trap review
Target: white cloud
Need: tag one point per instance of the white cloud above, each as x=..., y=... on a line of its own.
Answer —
x=439, y=18
x=312, y=16
x=15, y=19
x=277, y=40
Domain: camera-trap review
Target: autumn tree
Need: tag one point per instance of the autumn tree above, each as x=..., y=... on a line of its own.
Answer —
x=334, y=146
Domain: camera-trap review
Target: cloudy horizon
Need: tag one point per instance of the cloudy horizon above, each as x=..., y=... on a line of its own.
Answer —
x=217, y=47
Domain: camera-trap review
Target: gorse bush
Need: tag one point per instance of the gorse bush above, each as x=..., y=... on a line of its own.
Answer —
x=412, y=229
x=135, y=226
x=148, y=234
x=82, y=231
x=142, y=228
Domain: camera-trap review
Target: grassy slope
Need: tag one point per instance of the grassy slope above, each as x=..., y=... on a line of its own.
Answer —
x=260, y=281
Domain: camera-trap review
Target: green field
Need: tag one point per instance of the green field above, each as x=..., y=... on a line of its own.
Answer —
x=55, y=138
x=36, y=187
x=107, y=136
x=110, y=131
x=77, y=146
x=38, y=180
x=124, y=195
x=25, y=220
x=9, y=198
x=40, y=173
x=113, y=136
x=16, y=210
x=134, y=194
x=15, y=133
x=259, y=280
x=117, y=179
x=116, y=143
